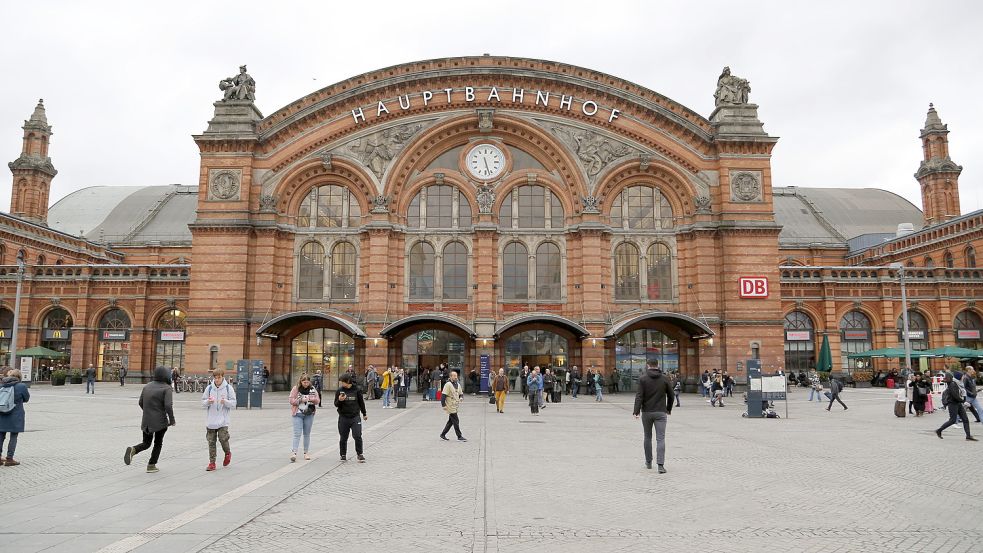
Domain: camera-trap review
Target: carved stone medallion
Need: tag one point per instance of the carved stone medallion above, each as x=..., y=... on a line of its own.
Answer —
x=380, y=204
x=267, y=203
x=223, y=184
x=702, y=204
x=592, y=204
x=746, y=186
x=486, y=198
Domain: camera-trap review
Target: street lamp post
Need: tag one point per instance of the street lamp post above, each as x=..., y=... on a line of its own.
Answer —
x=13, y=332
x=904, y=317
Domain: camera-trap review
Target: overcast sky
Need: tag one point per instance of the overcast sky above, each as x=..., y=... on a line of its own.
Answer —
x=846, y=85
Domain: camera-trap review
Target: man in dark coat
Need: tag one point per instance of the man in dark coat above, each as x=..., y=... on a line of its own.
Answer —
x=653, y=403
x=157, y=402
x=953, y=400
x=12, y=422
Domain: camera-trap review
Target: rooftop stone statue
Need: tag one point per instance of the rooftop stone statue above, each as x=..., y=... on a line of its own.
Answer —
x=239, y=87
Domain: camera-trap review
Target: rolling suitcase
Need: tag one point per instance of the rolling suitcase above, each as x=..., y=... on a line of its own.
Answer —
x=557, y=395
x=401, y=402
x=899, y=409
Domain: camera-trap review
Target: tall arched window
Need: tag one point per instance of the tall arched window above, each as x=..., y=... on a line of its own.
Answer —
x=41, y=260
x=641, y=207
x=929, y=262
x=6, y=326
x=439, y=206
x=329, y=206
x=310, y=279
x=800, y=343
x=455, y=268
x=917, y=330
x=971, y=257
x=626, y=272
x=531, y=206
x=515, y=272
x=114, y=344
x=57, y=331
x=948, y=260
x=659, y=272
x=856, y=336
x=421, y=271
x=169, y=351
x=343, y=271
x=548, y=271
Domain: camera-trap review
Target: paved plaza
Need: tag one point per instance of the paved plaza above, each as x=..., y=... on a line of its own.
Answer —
x=571, y=479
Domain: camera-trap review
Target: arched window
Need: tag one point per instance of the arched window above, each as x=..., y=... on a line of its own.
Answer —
x=421, y=271
x=948, y=260
x=3, y=254
x=929, y=262
x=641, y=207
x=114, y=319
x=800, y=343
x=455, y=268
x=439, y=206
x=659, y=272
x=41, y=260
x=343, y=271
x=531, y=206
x=969, y=327
x=114, y=344
x=6, y=325
x=169, y=350
x=548, y=271
x=515, y=272
x=917, y=330
x=971, y=257
x=626, y=272
x=311, y=272
x=856, y=336
x=329, y=206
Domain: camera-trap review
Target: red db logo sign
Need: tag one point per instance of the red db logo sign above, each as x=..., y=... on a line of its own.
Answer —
x=754, y=287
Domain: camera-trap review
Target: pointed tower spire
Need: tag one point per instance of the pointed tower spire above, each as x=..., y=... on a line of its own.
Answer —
x=33, y=170
x=937, y=174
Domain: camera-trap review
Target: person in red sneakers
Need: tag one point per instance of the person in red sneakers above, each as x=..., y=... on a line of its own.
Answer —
x=218, y=399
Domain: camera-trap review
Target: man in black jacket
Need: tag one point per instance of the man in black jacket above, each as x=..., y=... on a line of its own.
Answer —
x=953, y=400
x=348, y=400
x=654, y=403
x=157, y=402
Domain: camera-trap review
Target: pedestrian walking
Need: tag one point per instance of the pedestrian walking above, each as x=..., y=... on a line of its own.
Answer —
x=176, y=379
x=969, y=384
x=653, y=402
x=676, y=390
x=952, y=399
x=549, y=384
x=13, y=395
x=371, y=383
x=303, y=400
x=598, y=386
x=266, y=376
x=728, y=385
x=474, y=380
x=542, y=382
x=920, y=392
x=90, y=380
x=525, y=381
x=500, y=387
x=576, y=382
x=218, y=399
x=815, y=386
x=835, y=387
x=157, y=402
x=532, y=385
x=348, y=400
x=450, y=399
x=705, y=383
x=318, y=381
x=122, y=375
x=387, y=387
x=717, y=392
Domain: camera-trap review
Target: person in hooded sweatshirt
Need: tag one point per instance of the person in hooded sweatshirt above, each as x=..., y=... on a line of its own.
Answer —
x=654, y=403
x=12, y=422
x=348, y=400
x=218, y=399
x=157, y=402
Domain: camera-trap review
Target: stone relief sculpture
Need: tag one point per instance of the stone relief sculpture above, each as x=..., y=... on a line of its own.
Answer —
x=376, y=150
x=593, y=150
x=239, y=87
x=702, y=204
x=223, y=184
x=592, y=204
x=380, y=204
x=486, y=198
x=267, y=203
x=730, y=89
x=745, y=187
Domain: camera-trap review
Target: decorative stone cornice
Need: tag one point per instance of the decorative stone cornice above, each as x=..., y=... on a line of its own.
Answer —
x=938, y=165
x=33, y=163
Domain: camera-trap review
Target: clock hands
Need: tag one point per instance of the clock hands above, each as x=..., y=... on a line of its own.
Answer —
x=488, y=171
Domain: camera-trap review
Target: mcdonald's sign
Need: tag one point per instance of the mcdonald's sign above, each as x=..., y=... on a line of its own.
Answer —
x=57, y=334
x=5, y=333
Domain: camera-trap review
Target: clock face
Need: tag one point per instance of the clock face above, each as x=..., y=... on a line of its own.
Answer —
x=485, y=161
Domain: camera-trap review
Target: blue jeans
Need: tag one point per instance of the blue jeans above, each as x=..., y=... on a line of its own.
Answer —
x=817, y=393
x=302, y=425
x=599, y=396
x=432, y=394
x=576, y=389
x=90, y=384
x=385, y=396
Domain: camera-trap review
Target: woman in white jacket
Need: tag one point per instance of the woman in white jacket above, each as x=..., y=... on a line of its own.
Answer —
x=218, y=399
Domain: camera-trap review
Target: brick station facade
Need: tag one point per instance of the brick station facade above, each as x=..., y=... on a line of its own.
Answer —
x=461, y=209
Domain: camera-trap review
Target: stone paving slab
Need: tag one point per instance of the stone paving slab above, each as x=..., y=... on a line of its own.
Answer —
x=570, y=479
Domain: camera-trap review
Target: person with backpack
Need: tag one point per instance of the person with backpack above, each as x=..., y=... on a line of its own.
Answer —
x=218, y=399
x=835, y=387
x=157, y=403
x=598, y=386
x=349, y=403
x=13, y=395
x=953, y=398
x=920, y=390
x=969, y=384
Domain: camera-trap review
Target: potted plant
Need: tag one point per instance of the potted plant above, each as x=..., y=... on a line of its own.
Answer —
x=58, y=378
x=76, y=376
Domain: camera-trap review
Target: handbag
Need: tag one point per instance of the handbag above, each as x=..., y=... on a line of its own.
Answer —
x=491, y=399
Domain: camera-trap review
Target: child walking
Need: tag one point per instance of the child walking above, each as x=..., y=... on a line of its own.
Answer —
x=218, y=399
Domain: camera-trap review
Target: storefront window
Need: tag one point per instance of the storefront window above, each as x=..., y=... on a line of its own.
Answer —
x=321, y=349
x=547, y=349
x=114, y=344
x=56, y=331
x=968, y=328
x=633, y=351
x=427, y=349
x=855, y=337
x=800, y=342
x=169, y=348
x=917, y=330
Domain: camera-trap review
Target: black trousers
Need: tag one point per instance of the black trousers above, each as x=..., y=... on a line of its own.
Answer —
x=158, y=439
x=533, y=402
x=836, y=397
x=351, y=425
x=956, y=410
x=453, y=421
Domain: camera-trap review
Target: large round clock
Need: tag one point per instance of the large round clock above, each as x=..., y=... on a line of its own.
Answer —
x=485, y=161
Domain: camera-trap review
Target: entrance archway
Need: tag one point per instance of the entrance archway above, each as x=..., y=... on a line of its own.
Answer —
x=670, y=338
x=425, y=341
x=307, y=341
x=549, y=341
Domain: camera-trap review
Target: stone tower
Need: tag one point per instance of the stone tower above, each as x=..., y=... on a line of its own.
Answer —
x=33, y=170
x=937, y=174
